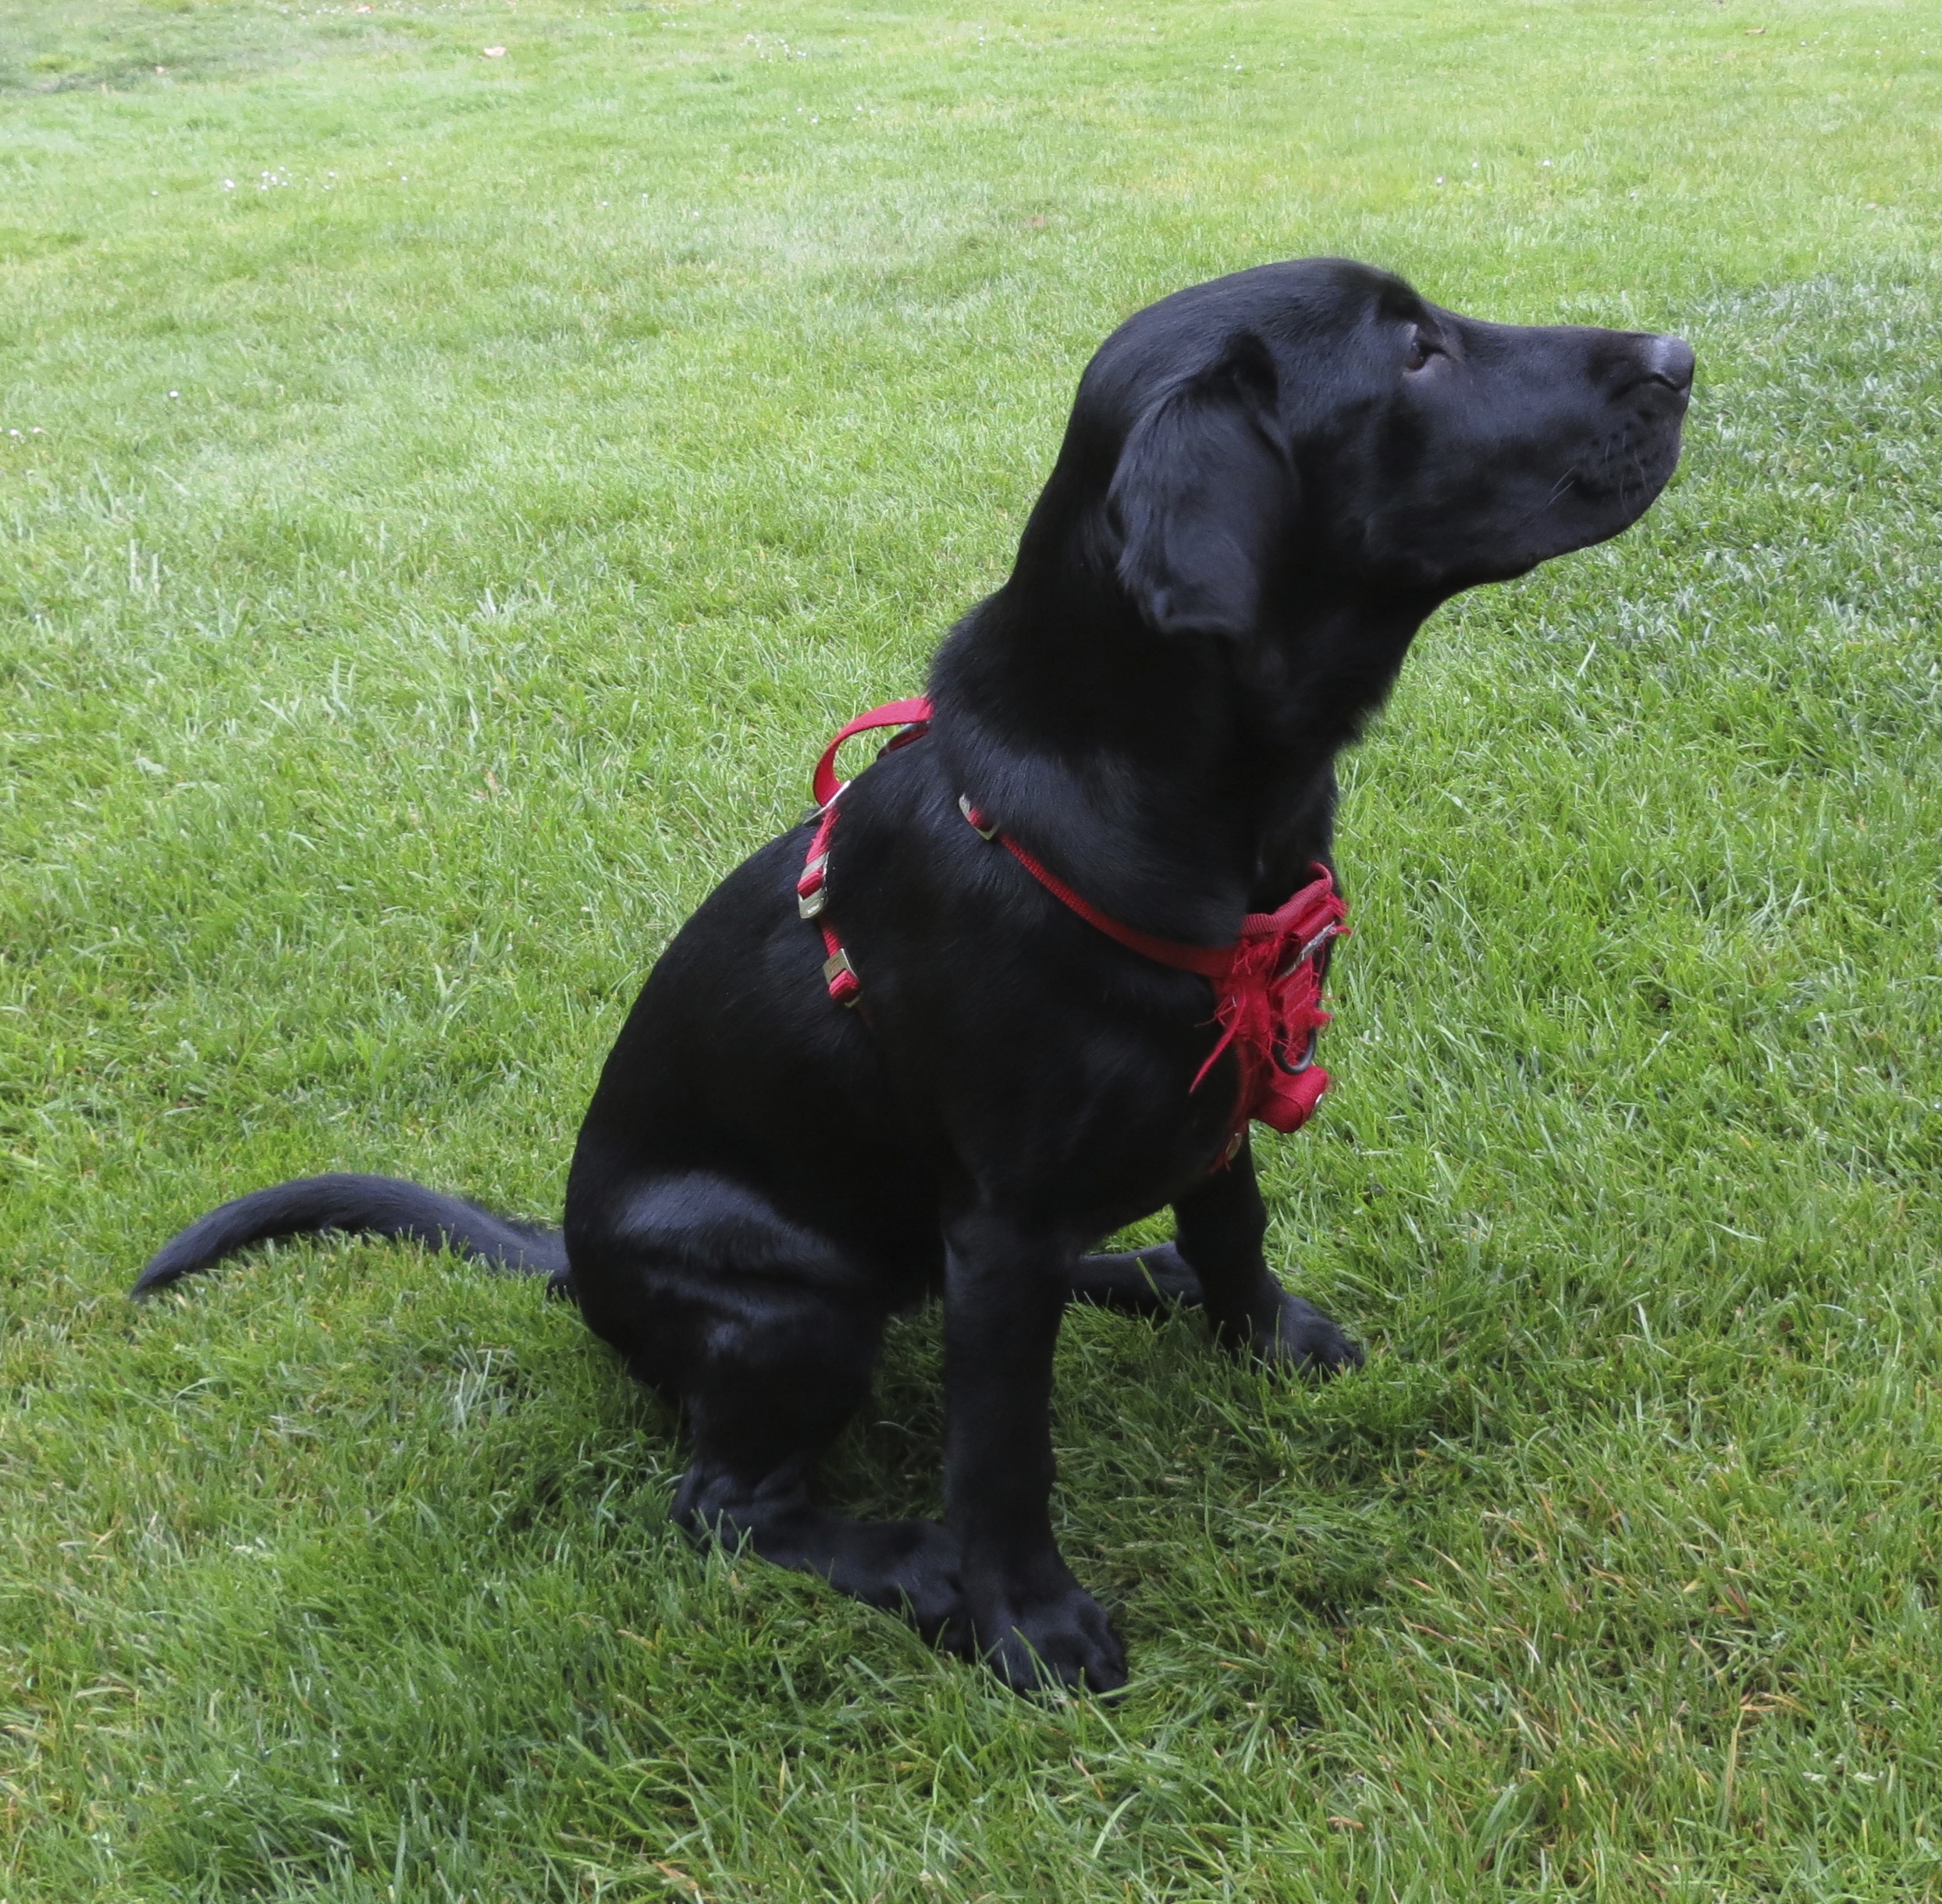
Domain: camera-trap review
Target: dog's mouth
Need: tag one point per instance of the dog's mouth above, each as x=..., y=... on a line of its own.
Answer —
x=1597, y=494
x=1623, y=475
x=1602, y=490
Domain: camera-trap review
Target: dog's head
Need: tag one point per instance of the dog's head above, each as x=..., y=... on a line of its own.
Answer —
x=1318, y=422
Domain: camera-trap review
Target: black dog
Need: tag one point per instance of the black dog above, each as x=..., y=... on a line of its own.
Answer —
x=1267, y=482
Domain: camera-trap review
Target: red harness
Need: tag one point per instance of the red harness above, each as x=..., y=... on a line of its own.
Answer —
x=1267, y=985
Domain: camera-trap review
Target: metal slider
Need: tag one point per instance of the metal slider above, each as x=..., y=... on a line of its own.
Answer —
x=836, y=969
x=976, y=818
x=812, y=888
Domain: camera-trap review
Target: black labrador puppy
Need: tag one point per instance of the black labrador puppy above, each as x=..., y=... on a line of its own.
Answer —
x=1268, y=483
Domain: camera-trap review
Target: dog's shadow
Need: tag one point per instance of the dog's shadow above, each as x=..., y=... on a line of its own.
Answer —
x=1184, y=1477
x=1180, y=1470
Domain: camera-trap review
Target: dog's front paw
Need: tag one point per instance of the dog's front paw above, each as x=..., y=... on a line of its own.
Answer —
x=1037, y=1641
x=1303, y=1341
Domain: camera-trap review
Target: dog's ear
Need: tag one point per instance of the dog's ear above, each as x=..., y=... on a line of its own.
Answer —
x=1203, y=495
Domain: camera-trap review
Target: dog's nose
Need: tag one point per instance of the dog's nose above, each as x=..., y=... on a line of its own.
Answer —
x=1669, y=361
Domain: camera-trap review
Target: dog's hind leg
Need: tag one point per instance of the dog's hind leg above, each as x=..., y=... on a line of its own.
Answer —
x=757, y=1436
x=1149, y=1282
x=768, y=1340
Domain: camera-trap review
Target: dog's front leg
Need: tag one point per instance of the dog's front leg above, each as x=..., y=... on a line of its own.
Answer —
x=1006, y=1289
x=1220, y=1228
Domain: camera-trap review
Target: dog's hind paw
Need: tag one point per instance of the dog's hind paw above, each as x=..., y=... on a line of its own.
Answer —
x=908, y=1566
x=1149, y=1282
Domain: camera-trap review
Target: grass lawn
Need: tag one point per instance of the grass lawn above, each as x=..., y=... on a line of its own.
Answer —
x=445, y=500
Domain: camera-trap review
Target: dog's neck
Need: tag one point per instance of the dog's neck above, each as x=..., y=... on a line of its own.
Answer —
x=1178, y=782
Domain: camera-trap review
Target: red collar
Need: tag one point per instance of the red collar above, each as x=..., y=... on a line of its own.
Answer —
x=1268, y=984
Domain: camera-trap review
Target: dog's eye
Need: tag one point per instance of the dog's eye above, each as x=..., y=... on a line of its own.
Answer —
x=1421, y=350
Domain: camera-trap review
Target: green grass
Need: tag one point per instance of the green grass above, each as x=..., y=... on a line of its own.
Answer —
x=432, y=558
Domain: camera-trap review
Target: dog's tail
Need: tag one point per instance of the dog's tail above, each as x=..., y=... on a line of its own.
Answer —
x=359, y=1205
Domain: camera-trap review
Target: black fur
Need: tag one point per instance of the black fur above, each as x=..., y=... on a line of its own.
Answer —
x=1268, y=483
x=356, y=1205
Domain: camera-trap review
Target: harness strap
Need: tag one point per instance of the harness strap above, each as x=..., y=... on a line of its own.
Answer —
x=1267, y=985
x=812, y=899
x=812, y=888
x=1210, y=961
x=914, y=713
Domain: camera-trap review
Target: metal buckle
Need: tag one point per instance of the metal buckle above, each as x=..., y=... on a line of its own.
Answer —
x=809, y=904
x=976, y=818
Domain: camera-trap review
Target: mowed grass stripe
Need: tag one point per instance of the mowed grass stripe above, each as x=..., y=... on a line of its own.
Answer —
x=560, y=444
